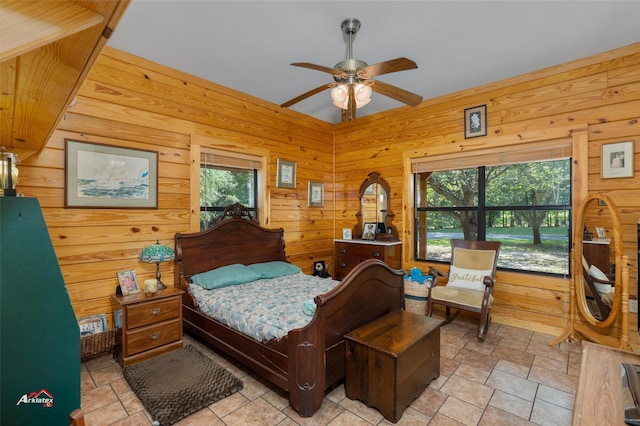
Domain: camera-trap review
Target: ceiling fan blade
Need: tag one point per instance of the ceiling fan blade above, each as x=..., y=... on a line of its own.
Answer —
x=334, y=72
x=386, y=67
x=396, y=93
x=306, y=95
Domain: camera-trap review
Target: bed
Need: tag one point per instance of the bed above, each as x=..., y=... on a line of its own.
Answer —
x=306, y=360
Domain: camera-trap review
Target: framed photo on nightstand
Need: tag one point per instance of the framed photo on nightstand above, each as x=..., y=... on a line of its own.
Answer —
x=128, y=282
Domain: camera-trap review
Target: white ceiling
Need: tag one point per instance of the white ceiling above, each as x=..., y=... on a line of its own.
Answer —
x=248, y=45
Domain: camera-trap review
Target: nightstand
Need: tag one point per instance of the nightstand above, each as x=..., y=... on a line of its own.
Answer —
x=151, y=325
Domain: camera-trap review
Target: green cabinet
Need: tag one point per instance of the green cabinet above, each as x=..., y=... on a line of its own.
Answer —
x=39, y=334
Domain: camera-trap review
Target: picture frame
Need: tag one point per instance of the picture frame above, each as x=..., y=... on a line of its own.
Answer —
x=105, y=176
x=346, y=233
x=316, y=194
x=617, y=160
x=369, y=231
x=128, y=282
x=475, y=121
x=600, y=232
x=286, y=174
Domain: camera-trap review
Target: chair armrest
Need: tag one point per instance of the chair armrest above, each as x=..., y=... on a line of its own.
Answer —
x=488, y=281
x=435, y=273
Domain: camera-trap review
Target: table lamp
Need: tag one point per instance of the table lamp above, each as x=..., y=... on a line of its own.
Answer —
x=157, y=253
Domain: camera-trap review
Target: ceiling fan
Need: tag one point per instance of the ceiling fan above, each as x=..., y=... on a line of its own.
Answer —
x=353, y=83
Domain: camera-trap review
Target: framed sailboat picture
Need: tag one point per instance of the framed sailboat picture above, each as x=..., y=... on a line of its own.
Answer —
x=104, y=176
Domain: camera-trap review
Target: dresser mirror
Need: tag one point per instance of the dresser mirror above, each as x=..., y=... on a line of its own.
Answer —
x=374, y=220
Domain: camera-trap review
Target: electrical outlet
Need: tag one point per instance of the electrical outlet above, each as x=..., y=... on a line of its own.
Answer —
x=633, y=306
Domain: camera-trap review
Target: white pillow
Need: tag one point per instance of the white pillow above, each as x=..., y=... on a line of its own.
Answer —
x=467, y=278
x=596, y=273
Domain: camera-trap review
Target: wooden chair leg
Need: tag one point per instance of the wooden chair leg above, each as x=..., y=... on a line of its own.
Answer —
x=485, y=320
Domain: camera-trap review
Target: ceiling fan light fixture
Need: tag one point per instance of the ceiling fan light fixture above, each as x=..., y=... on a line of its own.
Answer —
x=363, y=94
x=340, y=95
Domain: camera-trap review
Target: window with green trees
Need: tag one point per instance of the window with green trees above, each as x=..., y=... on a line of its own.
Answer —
x=225, y=180
x=527, y=206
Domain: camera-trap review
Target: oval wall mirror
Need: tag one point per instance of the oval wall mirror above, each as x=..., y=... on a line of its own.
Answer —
x=375, y=214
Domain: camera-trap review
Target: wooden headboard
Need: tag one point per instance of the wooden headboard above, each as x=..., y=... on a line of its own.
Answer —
x=234, y=239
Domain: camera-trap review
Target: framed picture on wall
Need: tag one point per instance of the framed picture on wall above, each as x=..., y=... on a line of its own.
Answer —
x=617, y=160
x=316, y=194
x=104, y=176
x=475, y=122
x=286, y=174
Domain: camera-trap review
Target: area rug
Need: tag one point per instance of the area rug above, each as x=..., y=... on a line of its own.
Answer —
x=174, y=385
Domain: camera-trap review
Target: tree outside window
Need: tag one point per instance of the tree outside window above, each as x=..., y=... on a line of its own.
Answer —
x=526, y=206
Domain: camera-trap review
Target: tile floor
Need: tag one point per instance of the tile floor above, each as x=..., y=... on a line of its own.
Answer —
x=512, y=378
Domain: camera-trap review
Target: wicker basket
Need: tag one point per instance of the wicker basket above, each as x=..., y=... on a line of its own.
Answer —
x=415, y=297
x=97, y=344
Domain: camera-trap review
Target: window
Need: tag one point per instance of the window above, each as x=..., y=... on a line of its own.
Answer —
x=526, y=205
x=226, y=179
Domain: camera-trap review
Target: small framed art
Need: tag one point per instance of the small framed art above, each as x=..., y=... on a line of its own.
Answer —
x=128, y=282
x=369, y=232
x=600, y=232
x=286, y=174
x=346, y=233
x=316, y=194
x=617, y=160
x=475, y=122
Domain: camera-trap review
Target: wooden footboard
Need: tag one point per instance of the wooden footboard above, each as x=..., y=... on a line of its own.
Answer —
x=316, y=352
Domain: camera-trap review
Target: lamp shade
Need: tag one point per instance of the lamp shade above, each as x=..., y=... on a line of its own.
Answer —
x=157, y=253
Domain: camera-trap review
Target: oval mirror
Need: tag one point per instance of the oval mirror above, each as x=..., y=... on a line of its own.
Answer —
x=598, y=256
x=375, y=212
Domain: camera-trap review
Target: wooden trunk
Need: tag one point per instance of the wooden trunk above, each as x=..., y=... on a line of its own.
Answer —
x=391, y=360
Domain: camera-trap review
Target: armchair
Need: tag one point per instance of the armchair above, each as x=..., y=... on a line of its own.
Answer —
x=470, y=281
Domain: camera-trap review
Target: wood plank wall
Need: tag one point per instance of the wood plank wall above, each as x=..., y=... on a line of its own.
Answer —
x=130, y=102
x=602, y=92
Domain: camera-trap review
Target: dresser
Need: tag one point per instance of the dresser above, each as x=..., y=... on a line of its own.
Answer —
x=596, y=252
x=151, y=325
x=391, y=360
x=349, y=253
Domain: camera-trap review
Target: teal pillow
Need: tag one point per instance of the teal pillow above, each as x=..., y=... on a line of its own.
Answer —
x=274, y=269
x=225, y=276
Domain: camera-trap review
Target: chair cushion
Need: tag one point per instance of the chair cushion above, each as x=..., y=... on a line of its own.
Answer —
x=470, y=279
x=470, y=267
x=461, y=296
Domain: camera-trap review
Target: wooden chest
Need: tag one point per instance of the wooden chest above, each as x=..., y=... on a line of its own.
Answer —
x=390, y=361
x=349, y=253
x=151, y=325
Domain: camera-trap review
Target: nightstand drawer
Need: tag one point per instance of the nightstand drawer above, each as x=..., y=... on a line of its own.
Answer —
x=152, y=312
x=146, y=338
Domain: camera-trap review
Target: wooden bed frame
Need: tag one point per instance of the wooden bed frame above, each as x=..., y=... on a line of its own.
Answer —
x=308, y=360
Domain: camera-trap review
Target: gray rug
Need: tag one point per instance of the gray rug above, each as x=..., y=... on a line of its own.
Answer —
x=174, y=385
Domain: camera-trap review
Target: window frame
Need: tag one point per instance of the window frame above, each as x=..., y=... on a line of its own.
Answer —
x=201, y=143
x=433, y=148
x=482, y=211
